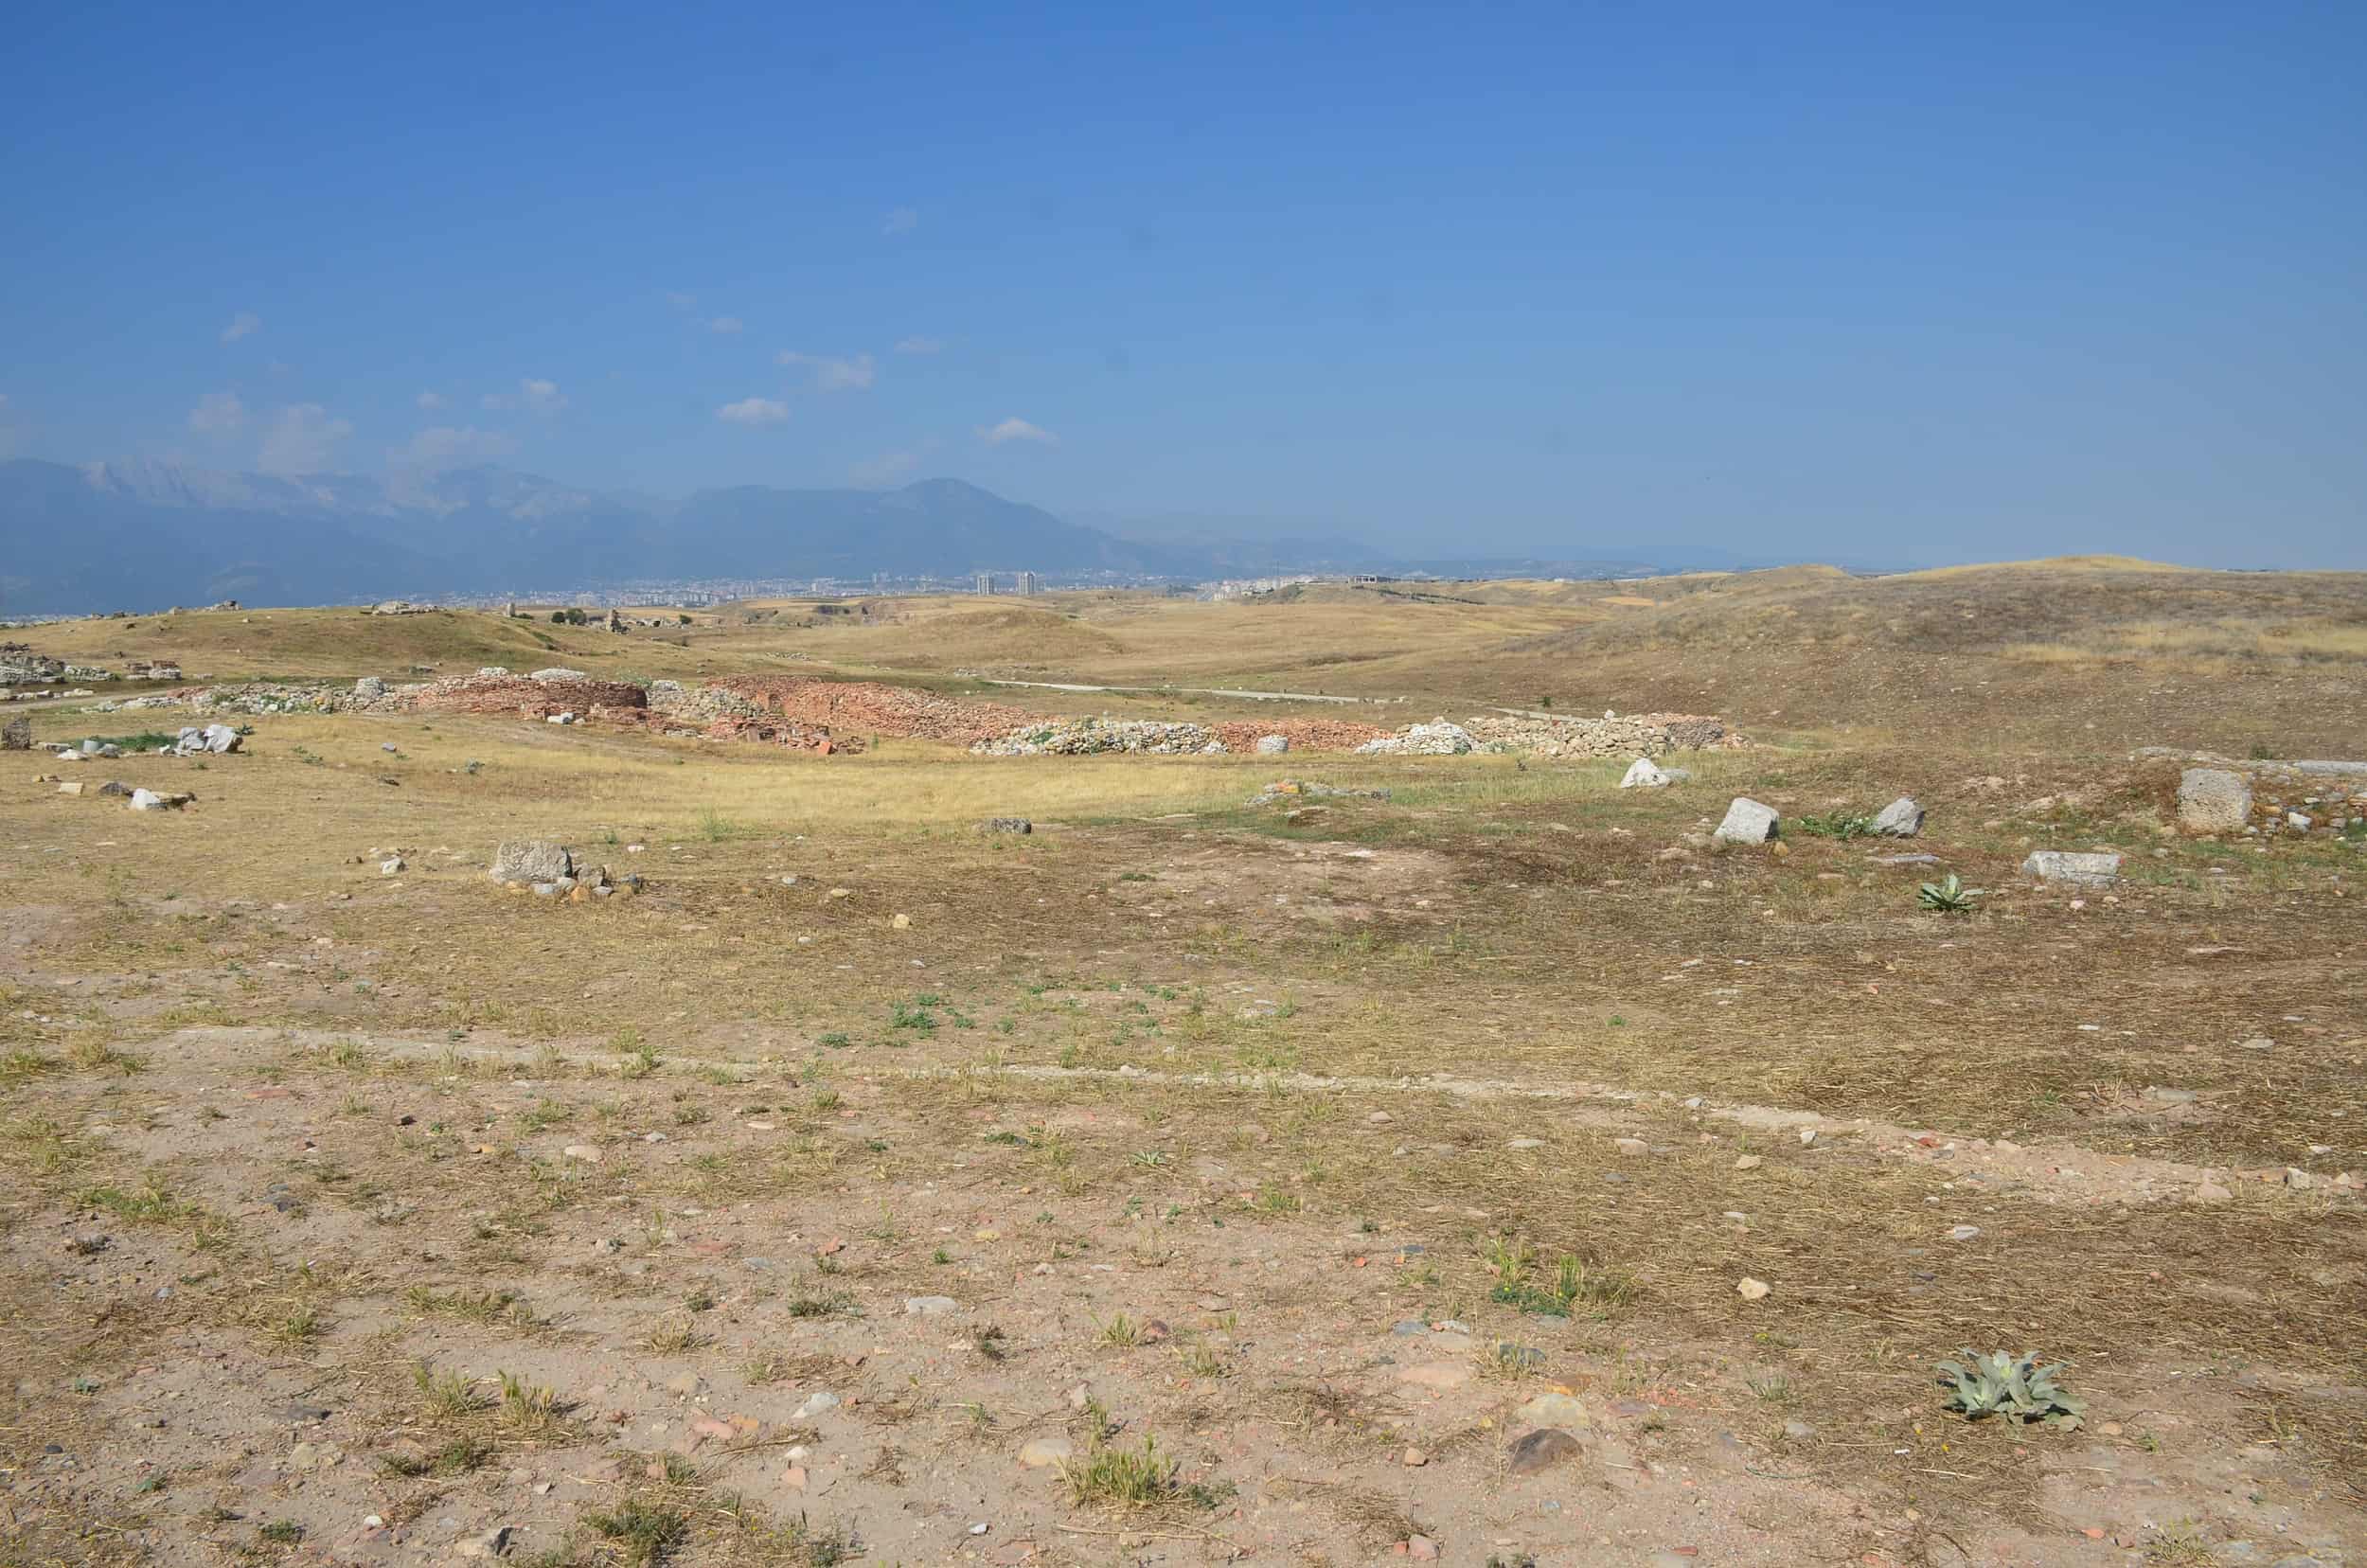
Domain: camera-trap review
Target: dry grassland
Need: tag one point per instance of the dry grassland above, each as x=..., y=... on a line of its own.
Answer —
x=355, y=1216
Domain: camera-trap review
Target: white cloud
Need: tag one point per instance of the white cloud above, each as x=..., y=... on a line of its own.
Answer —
x=887, y=469
x=1016, y=430
x=541, y=397
x=901, y=221
x=443, y=447
x=680, y=299
x=218, y=413
x=725, y=324
x=431, y=401
x=240, y=325
x=302, y=439
x=753, y=411
x=834, y=375
x=919, y=346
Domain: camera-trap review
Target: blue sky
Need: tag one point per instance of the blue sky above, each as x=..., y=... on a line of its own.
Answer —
x=1893, y=282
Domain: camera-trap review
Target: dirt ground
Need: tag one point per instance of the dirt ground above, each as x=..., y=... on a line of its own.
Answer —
x=1183, y=1182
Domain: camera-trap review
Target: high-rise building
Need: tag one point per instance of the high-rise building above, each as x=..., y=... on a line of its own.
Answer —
x=986, y=582
x=1029, y=583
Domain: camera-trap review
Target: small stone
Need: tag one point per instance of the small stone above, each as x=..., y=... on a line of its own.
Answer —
x=1044, y=1452
x=1643, y=773
x=1807, y=1136
x=1414, y=1458
x=1901, y=818
x=493, y=1542
x=1748, y=821
x=902, y=922
x=2298, y=1179
x=930, y=1305
x=1633, y=1145
x=1421, y=1549
x=1436, y=1375
x=1748, y=1162
x=1798, y=1431
x=585, y=1152
x=391, y=867
x=2078, y=871
x=815, y=1404
x=1751, y=1289
x=1553, y=1410
x=1540, y=1450
x=1962, y=1233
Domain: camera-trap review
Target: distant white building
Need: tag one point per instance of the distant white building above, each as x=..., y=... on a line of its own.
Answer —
x=986, y=582
x=1029, y=583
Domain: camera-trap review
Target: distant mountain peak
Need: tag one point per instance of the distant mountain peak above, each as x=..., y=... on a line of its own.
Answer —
x=146, y=532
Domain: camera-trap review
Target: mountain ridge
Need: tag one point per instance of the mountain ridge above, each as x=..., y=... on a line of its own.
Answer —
x=107, y=535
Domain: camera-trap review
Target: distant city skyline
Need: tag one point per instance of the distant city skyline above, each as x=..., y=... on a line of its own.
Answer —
x=1956, y=286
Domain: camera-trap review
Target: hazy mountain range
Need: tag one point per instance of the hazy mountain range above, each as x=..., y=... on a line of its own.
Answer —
x=141, y=535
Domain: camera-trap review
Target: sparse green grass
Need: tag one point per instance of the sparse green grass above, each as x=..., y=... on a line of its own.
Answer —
x=446, y=1396
x=643, y=1531
x=1123, y=1478
x=457, y=1458
x=505, y=1308
x=672, y=1335
x=1575, y=1283
x=527, y=1409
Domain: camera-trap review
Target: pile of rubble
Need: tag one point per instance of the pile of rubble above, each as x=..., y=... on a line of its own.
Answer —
x=761, y=728
x=1436, y=739
x=1162, y=737
x=21, y=666
x=549, y=870
x=1327, y=735
x=1301, y=789
x=1612, y=734
x=700, y=704
x=2273, y=799
x=255, y=697
x=542, y=695
x=136, y=799
x=213, y=740
x=1094, y=736
x=870, y=707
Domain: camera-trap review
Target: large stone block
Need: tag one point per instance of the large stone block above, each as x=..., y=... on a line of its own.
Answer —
x=2212, y=800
